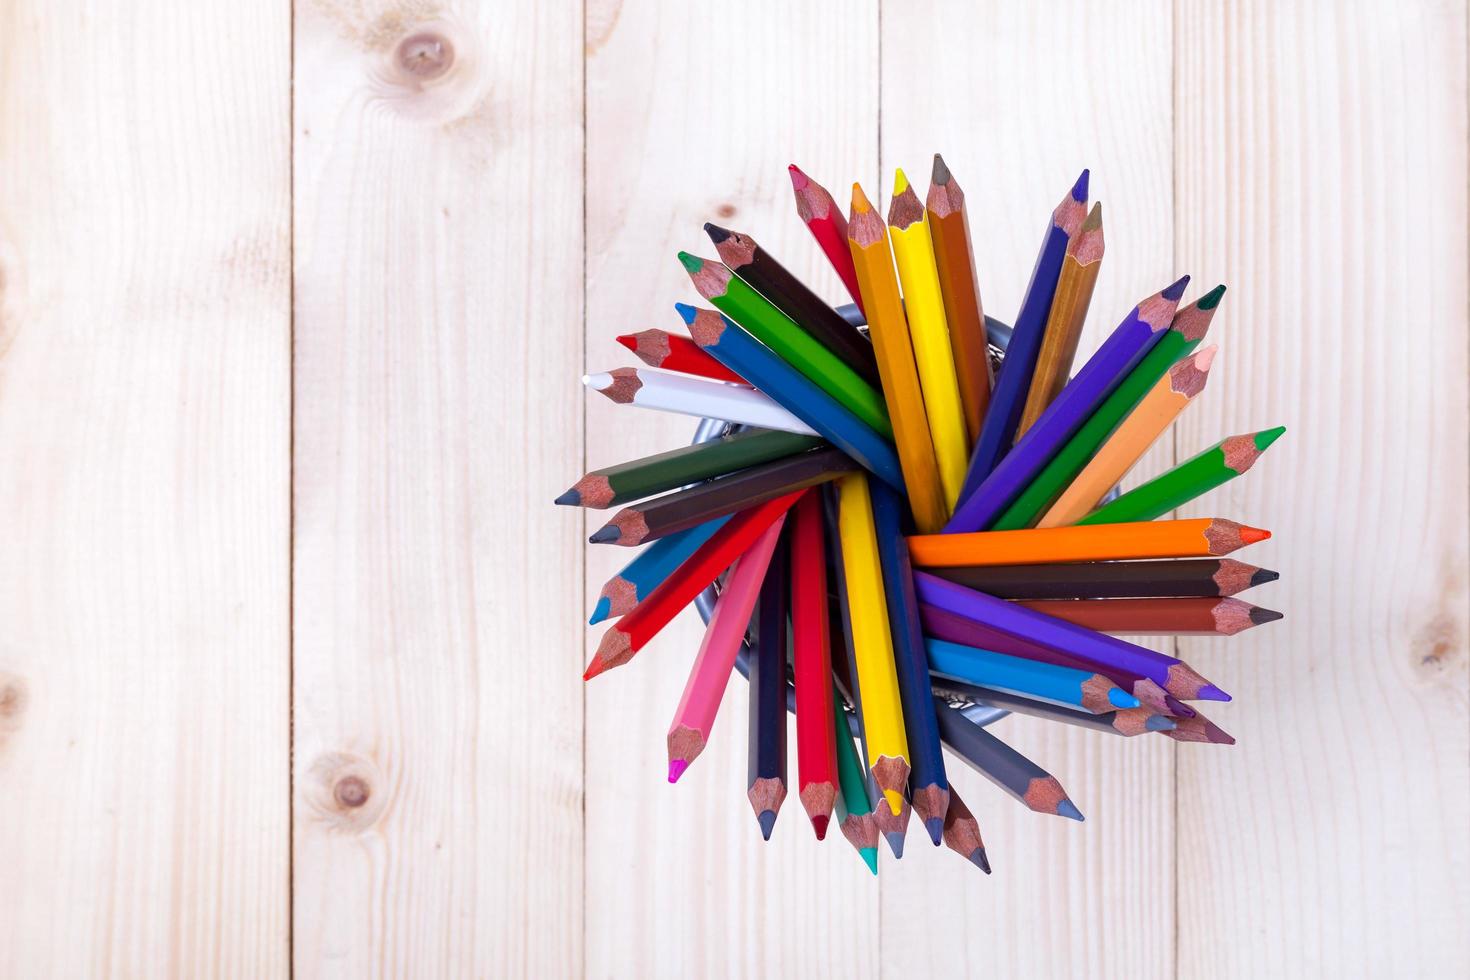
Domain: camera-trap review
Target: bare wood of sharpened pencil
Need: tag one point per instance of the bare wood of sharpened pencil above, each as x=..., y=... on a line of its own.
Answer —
x=1064, y=324
x=949, y=228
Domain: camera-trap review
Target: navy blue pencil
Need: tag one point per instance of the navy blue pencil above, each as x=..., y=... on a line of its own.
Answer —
x=1003, y=765
x=1008, y=399
x=766, y=765
x=723, y=339
x=928, y=785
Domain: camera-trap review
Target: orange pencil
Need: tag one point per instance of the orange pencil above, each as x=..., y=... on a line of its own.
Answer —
x=1198, y=538
x=949, y=228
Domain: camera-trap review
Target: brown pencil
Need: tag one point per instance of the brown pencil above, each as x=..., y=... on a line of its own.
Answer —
x=962, y=832
x=1202, y=577
x=1199, y=729
x=1219, y=617
x=949, y=227
x=1064, y=323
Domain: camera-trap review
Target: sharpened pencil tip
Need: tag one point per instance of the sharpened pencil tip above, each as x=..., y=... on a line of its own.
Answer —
x=895, y=843
x=597, y=666
x=900, y=181
x=860, y=202
x=1211, y=299
x=1210, y=692
x=1206, y=357
x=1265, y=437
x=1160, y=723
x=1175, y=290
x=601, y=611
x=686, y=312
x=1068, y=809
x=1261, y=616
x=819, y=824
x=715, y=232
x=870, y=858
x=767, y=820
x=572, y=498
x=980, y=860
x=691, y=263
x=606, y=533
x=1079, y=189
x=676, y=769
x=1120, y=698
x=1263, y=575
x=935, y=827
x=600, y=381
x=799, y=180
x=629, y=341
x=941, y=174
x=1250, y=535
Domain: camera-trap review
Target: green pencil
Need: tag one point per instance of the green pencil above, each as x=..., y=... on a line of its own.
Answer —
x=1219, y=464
x=735, y=298
x=857, y=822
x=680, y=467
x=1182, y=337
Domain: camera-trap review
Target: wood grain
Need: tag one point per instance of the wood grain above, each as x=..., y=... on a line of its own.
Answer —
x=1321, y=168
x=144, y=489
x=437, y=640
x=1034, y=94
x=693, y=114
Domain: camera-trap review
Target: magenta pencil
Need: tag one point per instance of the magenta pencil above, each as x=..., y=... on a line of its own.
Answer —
x=705, y=688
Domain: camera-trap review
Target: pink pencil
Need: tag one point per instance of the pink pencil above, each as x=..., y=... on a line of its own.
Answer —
x=695, y=715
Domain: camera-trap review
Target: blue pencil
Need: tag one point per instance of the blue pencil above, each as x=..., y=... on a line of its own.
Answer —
x=654, y=564
x=723, y=339
x=929, y=786
x=1064, y=686
x=1008, y=399
x=1113, y=361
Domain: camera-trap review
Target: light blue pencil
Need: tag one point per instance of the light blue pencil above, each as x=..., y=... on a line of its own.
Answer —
x=1065, y=686
x=654, y=564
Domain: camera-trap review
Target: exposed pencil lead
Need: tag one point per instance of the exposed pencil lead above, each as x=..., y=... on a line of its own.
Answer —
x=606, y=533
x=1265, y=437
x=1250, y=535
x=1175, y=290
x=676, y=769
x=1263, y=575
x=1068, y=809
x=1260, y=616
x=571, y=498
x=900, y=182
x=628, y=340
x=819, y=824
x=799, y=180
x=895, y=843
x=980, y=860
x=600, y=611
x=1120, y=698
x=686, y=312
x=1160, y=723
x=1211, y=299
x=691, y=263
x=935, y=827
x=870, y=858
x=1079, y=189
x=941, y=174
x=715, y=232
x=767, y=820
x=1210, y=692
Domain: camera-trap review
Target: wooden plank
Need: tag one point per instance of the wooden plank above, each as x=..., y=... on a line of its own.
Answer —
x=144, y=489
x=1321, y=164
x=438, y=706
x=1030, y=96
x=692, y=116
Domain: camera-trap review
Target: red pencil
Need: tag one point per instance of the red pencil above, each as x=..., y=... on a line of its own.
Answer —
x=816, y=740
x=633, y=631
x=824, y=219
x=670, y=351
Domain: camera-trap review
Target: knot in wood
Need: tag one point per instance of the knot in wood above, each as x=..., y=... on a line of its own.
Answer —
x=425, y=55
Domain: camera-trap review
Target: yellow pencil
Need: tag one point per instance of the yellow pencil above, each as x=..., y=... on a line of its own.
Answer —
x=872, y=643
x=867, y=239
x=909, y=231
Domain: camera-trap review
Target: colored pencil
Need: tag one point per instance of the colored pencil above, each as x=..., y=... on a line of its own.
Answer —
x=1069, y=306
x=1183, y=336
x=1169, y=396
x=680, y=467
x=1205, y=617
x=954, y=258
x=816, y=752
x=1173, y=675
x=1014, y=381
x=734, y=297
x=631, y=633
x=942, y=624
x=745, y=257
x=1192, y=478
x=823, y=218
x=694, y=718
x=765, y=784
x=666, y=392
x=887, y=747
x=652, y=565
x=1065, y=686
x=661, y=349
x=651, y=519
x=1198, y=538
x=1107, y=368
x=1123, y=721
x=1003, y=765
x=1186, y=577
x=917, y=274
x=730, y=344
x=928, y=785
x=857, y=823
x=889, y=329
x=962, y=833
x=1199, y=729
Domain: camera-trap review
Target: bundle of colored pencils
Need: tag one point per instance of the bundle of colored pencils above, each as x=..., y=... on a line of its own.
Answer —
x=894, y=537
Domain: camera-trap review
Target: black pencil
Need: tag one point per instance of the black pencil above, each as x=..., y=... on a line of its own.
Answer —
x=1165, y=579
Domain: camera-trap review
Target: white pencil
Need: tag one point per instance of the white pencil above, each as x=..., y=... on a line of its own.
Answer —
x=665, y=391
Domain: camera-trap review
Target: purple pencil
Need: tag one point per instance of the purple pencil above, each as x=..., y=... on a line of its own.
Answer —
x=1143, y=327
x=1098, y=649
x=941, y=624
